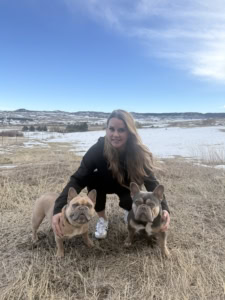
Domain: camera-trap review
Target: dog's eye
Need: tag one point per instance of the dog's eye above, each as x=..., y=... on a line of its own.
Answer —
x=149, y=203
x=75, y=205
x=89, y=205
x=138, y=202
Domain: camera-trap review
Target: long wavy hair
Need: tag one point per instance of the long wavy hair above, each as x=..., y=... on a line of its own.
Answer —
x=138, y=158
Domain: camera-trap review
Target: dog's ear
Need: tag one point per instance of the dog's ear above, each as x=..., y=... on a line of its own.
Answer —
x=71, y=194
x=158, y=192
x=92, y=195
x=134, y=188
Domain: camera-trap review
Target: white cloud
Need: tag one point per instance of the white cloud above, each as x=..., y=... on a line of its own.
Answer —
x=190, y=34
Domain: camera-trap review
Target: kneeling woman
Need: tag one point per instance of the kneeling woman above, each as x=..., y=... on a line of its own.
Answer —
x=109, y=166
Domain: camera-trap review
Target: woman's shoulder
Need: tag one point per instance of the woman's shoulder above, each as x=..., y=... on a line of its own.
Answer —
x=95, y=154
x=101, y=140
x=100, y=143
x=98, y=146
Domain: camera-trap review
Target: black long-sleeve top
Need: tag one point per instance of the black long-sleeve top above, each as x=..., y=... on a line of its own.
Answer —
x=94, y=160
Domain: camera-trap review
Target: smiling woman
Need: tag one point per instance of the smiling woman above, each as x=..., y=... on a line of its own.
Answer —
x=117, y=133
x=108, y=167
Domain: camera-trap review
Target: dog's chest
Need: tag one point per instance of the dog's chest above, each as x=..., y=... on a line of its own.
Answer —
x=138, y=227
x=73, y=233
x=70, y=231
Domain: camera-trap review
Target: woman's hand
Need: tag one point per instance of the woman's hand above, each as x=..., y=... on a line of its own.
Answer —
x=166, y=219
x=56, y=224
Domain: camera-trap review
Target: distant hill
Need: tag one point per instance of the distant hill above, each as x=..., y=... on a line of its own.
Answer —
x=97, y=114
x=22, y=110
x=186, y=115
x=95, y=119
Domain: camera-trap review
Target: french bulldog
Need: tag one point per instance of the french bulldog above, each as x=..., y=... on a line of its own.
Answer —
x=75, y=216
x=146, y=214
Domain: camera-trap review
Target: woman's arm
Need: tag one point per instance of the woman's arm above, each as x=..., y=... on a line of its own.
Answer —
x=80, y=178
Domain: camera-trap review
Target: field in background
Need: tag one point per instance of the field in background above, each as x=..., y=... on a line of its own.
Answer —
x=196, y=269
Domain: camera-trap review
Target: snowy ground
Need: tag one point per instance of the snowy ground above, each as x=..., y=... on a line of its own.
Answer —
x=163, y=142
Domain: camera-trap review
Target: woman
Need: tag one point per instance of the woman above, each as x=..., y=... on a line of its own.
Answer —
x=109, y=166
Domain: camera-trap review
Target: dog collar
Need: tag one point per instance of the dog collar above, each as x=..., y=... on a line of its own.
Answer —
x=65, y=216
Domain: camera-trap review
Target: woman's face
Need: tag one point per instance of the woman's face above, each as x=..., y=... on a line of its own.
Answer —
x=117, y=133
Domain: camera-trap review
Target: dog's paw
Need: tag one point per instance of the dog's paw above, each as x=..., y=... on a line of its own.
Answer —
x=127, y=243
x=35, y=241
x=166, y=253
x=34, y=237
x=60, y=254
x=90, y=244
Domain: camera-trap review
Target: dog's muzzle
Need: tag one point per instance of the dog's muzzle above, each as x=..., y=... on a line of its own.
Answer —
x=144, y=214
x=81, y=215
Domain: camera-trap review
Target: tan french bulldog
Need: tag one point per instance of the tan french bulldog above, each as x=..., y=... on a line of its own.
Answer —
x=75, y=216
x=146, y=214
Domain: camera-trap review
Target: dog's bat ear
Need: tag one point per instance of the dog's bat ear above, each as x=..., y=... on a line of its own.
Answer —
x=92, y=195
x=158, y=192
x=71, y=194
x=134, y=188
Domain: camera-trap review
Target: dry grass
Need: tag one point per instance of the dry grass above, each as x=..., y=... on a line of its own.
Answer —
x=6, y=141
x=196, y=269
x=210, y=155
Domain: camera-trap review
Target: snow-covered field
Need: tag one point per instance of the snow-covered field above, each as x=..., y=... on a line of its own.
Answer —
x=163, y=142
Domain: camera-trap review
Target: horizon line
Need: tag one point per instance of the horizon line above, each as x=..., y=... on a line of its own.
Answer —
x=92, y=111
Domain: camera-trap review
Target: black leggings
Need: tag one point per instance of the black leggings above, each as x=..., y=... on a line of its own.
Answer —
x=102, y=188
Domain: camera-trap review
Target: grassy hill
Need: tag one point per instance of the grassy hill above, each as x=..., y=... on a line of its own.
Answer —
x=196, y=239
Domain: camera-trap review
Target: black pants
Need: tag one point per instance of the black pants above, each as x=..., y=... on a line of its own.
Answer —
x=103, y=188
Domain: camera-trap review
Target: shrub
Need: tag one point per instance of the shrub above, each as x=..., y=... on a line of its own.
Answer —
x=32, y=128
x=57, y=129
x=42, y=128
x=77, y=127
x=25, y=128
x=11, y=133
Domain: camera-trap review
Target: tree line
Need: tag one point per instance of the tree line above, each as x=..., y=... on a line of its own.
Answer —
x=76, y=127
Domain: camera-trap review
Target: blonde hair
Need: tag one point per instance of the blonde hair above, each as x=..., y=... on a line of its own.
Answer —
x=138, y=158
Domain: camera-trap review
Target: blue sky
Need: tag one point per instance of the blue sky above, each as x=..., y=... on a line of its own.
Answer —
x=139, y=55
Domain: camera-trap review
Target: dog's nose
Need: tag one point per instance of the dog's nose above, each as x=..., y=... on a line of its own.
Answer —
x=82, y=208
x=142, y=207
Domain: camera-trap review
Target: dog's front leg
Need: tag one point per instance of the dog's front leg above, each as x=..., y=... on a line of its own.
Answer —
x=34, y=236
x=131, y=233
x=87, y=240
x=163, y=243
x=60, y=247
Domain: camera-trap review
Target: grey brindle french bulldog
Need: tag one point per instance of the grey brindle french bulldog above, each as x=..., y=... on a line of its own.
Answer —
x=146, y=214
